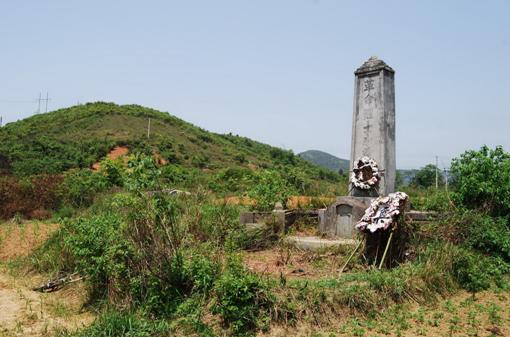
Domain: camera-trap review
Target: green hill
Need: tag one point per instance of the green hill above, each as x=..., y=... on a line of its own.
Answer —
x=325, y=160
x=81, y=135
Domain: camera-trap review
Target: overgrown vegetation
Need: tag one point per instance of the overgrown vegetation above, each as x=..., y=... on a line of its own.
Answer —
x=50, y=155
x=161, y=264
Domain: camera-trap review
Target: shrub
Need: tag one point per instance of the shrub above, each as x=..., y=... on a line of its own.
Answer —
x=33, y=197
x=426, y=177
x=99, y=250
x=430, y=199
x=81, y=186
x=472, y=272
x=143, y=173
x=490, y=236
x=284, y=157
x=481, y=232
x=216, y=222
x=242, y=299
x=232, y=179
x=200, y=161
x=175, y=175
x=270, y=187
x=482, y=180
x=113, y=171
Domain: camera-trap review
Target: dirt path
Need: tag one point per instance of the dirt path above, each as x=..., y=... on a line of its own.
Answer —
x=24, y=312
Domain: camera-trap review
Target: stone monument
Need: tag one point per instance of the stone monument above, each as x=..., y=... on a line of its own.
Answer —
x=373, y=124
x=373, y=142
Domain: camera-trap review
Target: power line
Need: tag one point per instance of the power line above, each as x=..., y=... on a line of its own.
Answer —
x=40, y=99
x=15, y=101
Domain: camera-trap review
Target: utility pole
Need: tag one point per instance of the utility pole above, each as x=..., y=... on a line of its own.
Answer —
x=437, y=176
x=149, y=129
x=446, y=179
x=1, y=121
x=40, y=99
x=39, y=105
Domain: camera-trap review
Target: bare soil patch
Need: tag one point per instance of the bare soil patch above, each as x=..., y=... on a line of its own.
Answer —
x=295, y=264
x=28, y=313
x=117, y=152
x=19, y=240
x=24, y=312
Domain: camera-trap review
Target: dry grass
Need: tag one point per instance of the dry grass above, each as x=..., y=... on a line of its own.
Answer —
x=295, y=264
x=20, y=240
x=29, y=313
x=24, y=312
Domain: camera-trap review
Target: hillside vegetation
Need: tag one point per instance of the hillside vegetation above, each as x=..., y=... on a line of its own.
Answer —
x=46, y=160
x=81, y=135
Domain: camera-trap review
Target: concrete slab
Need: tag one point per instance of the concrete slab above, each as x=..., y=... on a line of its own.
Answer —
x=315, y=243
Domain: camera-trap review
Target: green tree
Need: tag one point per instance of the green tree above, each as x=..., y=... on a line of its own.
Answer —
x=270, y=187
x=399, y=180
x=426, y=177
x=482, y=180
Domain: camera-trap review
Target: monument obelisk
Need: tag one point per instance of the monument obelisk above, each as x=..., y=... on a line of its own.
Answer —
x=373, y=124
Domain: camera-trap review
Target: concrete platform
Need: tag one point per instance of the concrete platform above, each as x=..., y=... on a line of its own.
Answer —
x=316, y=243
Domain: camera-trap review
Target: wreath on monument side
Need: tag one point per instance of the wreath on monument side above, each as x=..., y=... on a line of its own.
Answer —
x=365, y=173
x=383, y=212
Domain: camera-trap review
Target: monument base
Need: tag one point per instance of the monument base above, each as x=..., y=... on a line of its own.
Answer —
x=339, y=219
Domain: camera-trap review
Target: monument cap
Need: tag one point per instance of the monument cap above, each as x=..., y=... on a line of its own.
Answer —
x=373, y=64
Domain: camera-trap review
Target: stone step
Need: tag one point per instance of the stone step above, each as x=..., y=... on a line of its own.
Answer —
x=316, y=243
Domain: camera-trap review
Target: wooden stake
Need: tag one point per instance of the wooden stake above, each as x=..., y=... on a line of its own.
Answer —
x=377, y=250
x=350, y=257
x=386, y=249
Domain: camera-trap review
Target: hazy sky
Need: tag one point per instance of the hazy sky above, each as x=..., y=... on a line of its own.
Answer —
x=277, y=71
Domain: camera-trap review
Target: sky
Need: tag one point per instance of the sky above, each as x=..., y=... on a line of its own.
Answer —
x=277, y=71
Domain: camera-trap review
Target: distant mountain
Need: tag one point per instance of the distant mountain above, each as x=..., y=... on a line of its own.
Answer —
x=325, y=160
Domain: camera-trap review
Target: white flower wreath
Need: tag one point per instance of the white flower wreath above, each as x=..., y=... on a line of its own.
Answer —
x=365, y=174
x=383, y=212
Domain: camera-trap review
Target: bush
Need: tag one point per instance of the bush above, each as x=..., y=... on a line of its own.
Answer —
x=33, y=197
x=476, y=272
x=216, y=223
x=200, y=160
x=426, y=177
x=283, y=157
x=482, y=180
x=242, y=299
x=490, y=236
x=113, y=171
x=484, y=233
x=99, y=250
x=472, y=272
x=81, y=186
x=143, y=173
x=270, y=187
x=429, y=199
x=232, y=179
